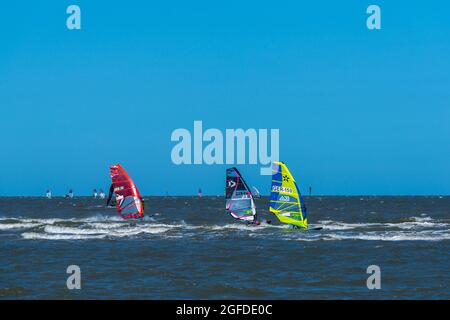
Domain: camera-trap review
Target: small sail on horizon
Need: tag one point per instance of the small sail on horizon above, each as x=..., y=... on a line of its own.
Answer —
x=129, y=201
x=238, y=197
x=286, y=201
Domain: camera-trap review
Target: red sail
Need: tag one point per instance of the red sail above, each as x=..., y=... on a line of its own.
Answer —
x=128, y=199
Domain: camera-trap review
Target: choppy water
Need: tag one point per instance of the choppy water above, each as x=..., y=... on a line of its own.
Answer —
x=189, y=248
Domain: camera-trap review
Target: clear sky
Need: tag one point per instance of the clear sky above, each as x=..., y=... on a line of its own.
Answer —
x=359, y=111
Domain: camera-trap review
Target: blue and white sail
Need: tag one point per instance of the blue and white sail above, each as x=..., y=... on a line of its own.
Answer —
x=238, y=197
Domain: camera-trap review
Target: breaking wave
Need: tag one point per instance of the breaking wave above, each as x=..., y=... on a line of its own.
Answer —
x=393, y=236
x=43, y=236
x=410, y=224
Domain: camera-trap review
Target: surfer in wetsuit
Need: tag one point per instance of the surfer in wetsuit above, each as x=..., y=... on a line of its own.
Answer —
x=111, y=192
x=258, y=223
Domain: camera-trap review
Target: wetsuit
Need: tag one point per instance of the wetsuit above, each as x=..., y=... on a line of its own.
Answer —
x=111, y=192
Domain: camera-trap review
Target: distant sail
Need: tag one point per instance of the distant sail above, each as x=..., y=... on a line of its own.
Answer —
x=238, y=198
x=285, y=199
x=128, y=198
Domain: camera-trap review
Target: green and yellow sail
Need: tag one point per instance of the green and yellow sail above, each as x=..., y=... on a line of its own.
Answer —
x=285, y=199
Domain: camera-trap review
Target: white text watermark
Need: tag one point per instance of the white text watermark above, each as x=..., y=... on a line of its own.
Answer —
x=236, y=146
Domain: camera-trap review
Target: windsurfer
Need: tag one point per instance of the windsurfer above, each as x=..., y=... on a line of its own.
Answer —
x=129, y=202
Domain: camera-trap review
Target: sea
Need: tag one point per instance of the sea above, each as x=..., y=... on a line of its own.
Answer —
x=189, y=248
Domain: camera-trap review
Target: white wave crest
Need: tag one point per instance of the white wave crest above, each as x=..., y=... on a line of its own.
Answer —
x=118, y=232
x=417, y=223
x=69, y=230
x=45, y=236
x=391, y=236
x=18, y=226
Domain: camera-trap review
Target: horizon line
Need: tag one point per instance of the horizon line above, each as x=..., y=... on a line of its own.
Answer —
x=222, y=195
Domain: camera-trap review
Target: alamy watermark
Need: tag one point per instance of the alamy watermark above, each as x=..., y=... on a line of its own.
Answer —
x=74, y=280
x=73, y=21
x=236, y=146
x=373, y=22
x=374, y=280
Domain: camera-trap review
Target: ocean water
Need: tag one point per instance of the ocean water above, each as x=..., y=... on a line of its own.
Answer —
x=188, y=248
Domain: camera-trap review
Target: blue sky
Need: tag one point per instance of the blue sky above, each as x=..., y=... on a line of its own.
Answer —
x=359, y=111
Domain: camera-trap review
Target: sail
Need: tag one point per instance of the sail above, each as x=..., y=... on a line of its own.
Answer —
x=255, y=192
x=285, y=199
x=128, y=199
x=238, y=198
